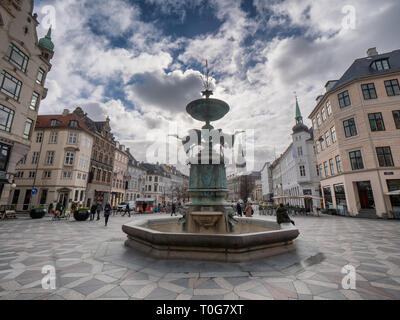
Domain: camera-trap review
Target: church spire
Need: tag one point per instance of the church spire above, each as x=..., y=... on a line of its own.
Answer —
x=299, y=118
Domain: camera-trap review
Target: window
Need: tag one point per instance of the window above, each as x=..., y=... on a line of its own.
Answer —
x=379, y=65
x=35, y=158
x=299, y=153
x=327, y=139
x=39, y=137
x=98, y=174
x=396, y=118
x=333, y=134
x=385, y=158
x=344, y=99
x=53, y=137
x=350, y=129
x=369, y=91
x=392, y=87
x=302, y=171
x=17, y=57
x=69, y=158
x=73, y=124
x=46, y=174
x=40, y=76
x=322, y=143
x=28, y=128
x=376, y=121
x=317, y=148
x=314, y=123
x=323, y=114
x=6, y=118
x=4, y=156
x=338, y=164
x=50, y=157
x=328, y=108
x=34, y=101
x=10, y=85
x=32, y=174
x=318, y=120
x=104, y=176
x=76, y=195
x=43, y=197
x=79, y=175
x=332, y=167
x=73, y=138
x=326, y=169
x=356, y=160
x=67, y=175
x=53, y=122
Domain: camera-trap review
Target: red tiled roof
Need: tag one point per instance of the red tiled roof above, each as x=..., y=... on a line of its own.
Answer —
x=43, y=121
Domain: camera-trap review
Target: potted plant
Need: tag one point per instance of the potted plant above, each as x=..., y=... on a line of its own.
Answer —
x=81, y=214
x=38, y=213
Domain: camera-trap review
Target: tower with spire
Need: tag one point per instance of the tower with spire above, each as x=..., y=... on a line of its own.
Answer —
x=300, y=126
x=47, y=46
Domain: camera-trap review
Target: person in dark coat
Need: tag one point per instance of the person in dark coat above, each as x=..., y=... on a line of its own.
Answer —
x=239, y=209
x=173, y=209
x=144, y=207
x=282, y=215
x=98, y=208
x=93, y=209
x=107, y=212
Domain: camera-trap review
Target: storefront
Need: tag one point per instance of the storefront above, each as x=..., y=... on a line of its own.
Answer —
x=394, y=194
x=340, y=195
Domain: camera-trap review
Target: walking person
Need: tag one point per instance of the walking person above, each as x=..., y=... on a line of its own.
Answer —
x=173, y=209
x=127, y=210
x=239, y=209
x=99, y=208
x=93, y=209
x=282, y=215
x=107, y=212
x=248, y=210
x=59, y=210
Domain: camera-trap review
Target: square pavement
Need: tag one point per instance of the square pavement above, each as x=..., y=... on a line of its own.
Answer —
x=91, y=262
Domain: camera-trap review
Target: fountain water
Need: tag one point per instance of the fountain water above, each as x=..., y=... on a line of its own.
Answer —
x=208, y=230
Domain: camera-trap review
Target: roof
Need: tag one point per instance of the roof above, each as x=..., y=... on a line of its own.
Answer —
x=361, y=68
x=46, y=42
x=44, y=121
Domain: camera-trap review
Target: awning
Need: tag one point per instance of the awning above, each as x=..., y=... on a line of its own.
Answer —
x=297, y=197
x=393, y=193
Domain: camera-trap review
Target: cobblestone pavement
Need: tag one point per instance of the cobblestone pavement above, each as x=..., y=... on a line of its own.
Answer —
x=92, y=263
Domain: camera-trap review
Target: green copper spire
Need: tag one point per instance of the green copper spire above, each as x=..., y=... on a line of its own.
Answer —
x=46, y=42
x=299, y=117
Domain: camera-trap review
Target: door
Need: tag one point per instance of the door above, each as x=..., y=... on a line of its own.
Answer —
x=64, y=199
x=27, y=200
x=365, y=195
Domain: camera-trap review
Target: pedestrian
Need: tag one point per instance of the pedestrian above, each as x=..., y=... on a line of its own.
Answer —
x=173, y=209
x=127, y=210
x=282, y=215
x=93, y=209
x=248, y=209
x=144, y=207
x=59, y=209
x=99, y=208
x=239, y=209
x=107, y=212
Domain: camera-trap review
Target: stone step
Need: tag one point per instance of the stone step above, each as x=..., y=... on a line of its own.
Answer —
x=367, y=213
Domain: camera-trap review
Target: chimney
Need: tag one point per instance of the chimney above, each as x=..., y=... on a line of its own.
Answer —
x=372, y=52
x=65, y=112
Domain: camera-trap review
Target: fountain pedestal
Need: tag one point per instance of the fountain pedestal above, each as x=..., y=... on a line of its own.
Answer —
x=206, y=222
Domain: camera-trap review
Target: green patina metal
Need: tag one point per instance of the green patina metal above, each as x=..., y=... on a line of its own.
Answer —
x=46, y=42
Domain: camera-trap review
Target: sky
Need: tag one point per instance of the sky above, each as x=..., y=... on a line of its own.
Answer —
x=139, y=62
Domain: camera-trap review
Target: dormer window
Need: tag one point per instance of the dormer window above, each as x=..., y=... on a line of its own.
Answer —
x=380, y=65
x=53, y=122
x=73, y=124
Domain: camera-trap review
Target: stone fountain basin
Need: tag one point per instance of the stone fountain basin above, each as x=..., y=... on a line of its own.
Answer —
x=254, y=239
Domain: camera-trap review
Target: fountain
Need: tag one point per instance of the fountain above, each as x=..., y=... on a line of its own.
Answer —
x=208, y=229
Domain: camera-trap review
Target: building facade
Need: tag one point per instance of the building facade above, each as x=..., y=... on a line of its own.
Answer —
x=56, y=169
x=357, y=137
x=120, y=173
x=266, y=182
x=244, y=185
x=136, y=178
x=102, y=159
x=295, y=176
x=24, y=64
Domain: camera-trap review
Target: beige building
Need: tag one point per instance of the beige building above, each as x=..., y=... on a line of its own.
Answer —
x=24, y=64
x=357, y=137
x=119, y=179
x=57, y=166
x=136, y=178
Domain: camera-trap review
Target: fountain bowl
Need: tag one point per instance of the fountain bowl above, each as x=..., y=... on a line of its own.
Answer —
x=253, y=238
x=207, y=109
